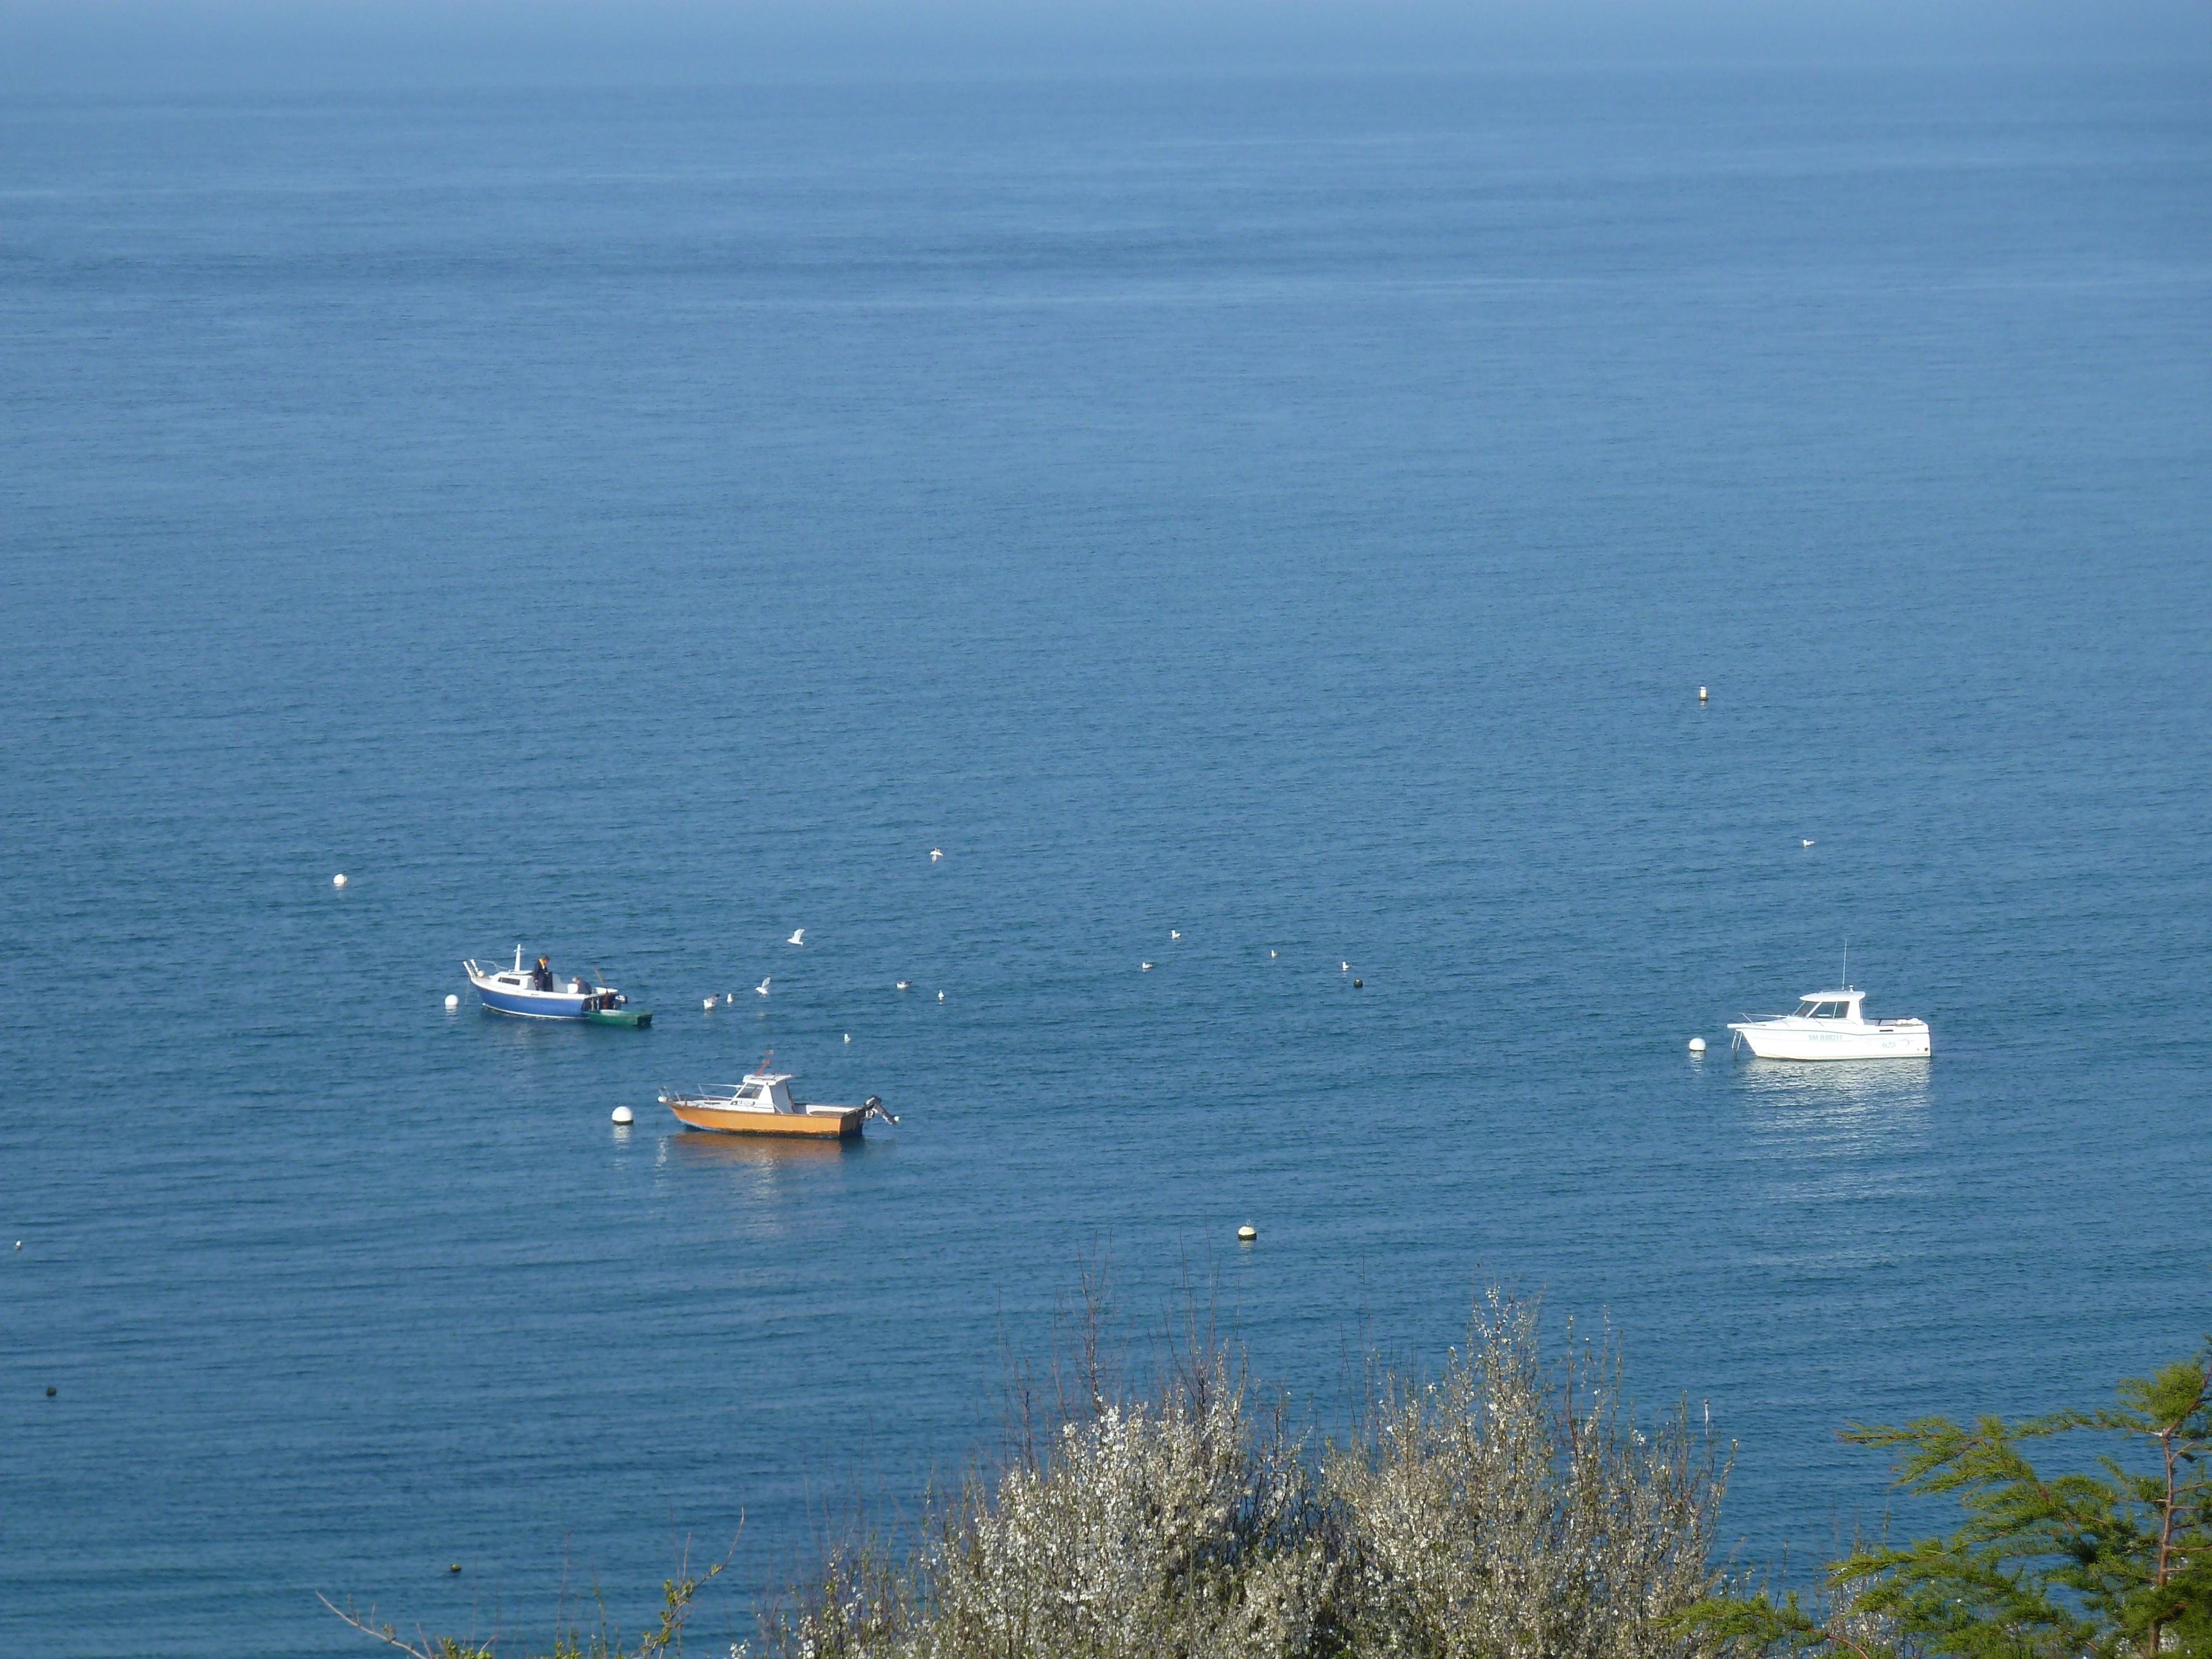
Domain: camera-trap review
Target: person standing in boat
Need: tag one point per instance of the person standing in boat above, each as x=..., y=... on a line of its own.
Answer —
x=543, y=979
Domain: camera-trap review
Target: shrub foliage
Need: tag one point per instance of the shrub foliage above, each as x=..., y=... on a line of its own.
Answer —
x=1507, y=1508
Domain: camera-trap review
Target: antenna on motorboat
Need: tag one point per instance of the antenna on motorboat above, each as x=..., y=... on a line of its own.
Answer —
x=761, y=1070
x=1847, y=961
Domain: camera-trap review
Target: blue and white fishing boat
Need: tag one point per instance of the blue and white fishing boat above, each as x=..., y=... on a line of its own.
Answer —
x=538, y=993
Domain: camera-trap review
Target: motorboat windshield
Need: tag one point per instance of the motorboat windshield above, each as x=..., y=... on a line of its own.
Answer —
x=1824, y=1008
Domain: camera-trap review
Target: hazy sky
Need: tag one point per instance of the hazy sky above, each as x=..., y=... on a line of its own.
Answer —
x=273, y=43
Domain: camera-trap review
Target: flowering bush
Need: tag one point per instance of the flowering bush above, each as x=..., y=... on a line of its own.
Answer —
x=1506, y=1508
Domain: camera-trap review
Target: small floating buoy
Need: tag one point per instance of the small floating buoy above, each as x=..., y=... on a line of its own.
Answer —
x=452, y=1001
x=1358, y=984
x=337, y=881
x=1697, y=1045
x=1247, y=1233
x=50, y=1391
x=456, y=1567
x=623, y=1116
x=1701, y=694
x=940, y=996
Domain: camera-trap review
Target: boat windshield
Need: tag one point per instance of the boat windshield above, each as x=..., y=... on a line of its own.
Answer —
x=1805, y=1009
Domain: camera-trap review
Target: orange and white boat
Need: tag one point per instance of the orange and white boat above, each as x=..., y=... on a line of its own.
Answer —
x=763, y=1105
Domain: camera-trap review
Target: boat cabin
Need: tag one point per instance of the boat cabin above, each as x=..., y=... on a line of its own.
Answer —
x=767, y=1091
x=1831, y=1005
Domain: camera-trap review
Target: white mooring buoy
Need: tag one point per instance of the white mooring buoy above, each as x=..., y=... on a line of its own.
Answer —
x=337, y=881
x=1247, y=1233
x=1697, y=1045
x=623, y=1117
x=452, y=1001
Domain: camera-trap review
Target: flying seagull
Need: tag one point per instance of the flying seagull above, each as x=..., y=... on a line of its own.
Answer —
x=798, y=937
x=762, y=987
x=935, y=853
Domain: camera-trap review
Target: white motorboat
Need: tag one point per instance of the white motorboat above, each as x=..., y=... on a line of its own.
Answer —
x=1834, y=1025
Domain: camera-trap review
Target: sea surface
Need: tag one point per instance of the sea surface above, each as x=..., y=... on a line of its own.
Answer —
x=1298, y=513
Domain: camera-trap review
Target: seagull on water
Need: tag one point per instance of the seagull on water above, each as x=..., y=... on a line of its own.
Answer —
x=762, y=987
x=1146, y=966
x=1345, y=966
x=1271, y=956
x=906, y=985
x=710, y=1005
x=849, y=1036
x=798, y=937
x=1801, y=842
x=940, y=996
x=1173, y=934
x=935, y=853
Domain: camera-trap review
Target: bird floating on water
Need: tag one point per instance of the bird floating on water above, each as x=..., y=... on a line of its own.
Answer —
x=1801, y=842
x=798, y=937
x=906, y=985
x=940, y=996
x=1344, y=967
x=762, y=987
x=1173, y=934
x=710, y=1005
x=1271, y=956
x=1145, y=966
x=935, y=853
x=849, y=1036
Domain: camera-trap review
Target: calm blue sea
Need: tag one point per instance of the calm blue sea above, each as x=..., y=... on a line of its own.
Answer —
x=1296, y=514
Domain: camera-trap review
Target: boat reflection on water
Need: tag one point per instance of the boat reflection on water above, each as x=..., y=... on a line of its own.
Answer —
x=1895, y=1084
x=766, y=1190
x=1840, y=1109
x=757, y=1152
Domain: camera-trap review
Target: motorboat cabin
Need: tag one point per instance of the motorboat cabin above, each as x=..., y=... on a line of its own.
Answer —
x=1834, y=1025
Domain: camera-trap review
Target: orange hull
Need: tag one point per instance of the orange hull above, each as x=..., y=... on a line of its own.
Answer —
x=843, y=1123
